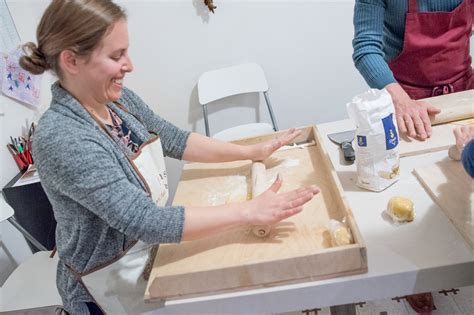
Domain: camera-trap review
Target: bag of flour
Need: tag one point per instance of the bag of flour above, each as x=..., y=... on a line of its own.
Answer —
x=376, y=151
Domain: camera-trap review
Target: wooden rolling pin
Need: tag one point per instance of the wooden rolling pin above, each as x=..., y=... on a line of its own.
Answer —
x=453, y=114
x=455, y=106
x=259, y=185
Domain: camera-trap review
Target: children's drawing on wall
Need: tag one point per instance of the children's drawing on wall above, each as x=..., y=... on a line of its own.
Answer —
x=210, y=5
x=204, y=8
x=17, y=83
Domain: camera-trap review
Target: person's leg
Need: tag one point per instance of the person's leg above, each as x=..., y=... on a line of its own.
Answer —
x=94, y=309
x=421, y=303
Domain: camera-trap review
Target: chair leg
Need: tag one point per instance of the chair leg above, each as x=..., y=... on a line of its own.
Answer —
x=270, y=110
x=206, y=122
x=9, y=255
x=60, y=311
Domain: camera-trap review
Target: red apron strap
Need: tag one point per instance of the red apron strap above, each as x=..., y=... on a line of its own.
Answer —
x=412, y=6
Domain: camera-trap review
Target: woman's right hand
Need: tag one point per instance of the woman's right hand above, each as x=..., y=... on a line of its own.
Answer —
x=266, y=209
x=271, y=207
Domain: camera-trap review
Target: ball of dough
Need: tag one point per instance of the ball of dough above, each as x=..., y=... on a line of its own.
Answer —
x=342, y=236
x=340, y=233
x=401, y=209
x=454, y=153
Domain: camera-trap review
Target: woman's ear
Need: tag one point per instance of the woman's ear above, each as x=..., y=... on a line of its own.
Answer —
x=69, y=61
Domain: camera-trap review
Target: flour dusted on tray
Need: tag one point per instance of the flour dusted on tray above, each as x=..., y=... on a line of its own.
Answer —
x=377, y=157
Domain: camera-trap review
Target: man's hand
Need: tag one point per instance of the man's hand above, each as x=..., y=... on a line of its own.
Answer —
x=412, y=116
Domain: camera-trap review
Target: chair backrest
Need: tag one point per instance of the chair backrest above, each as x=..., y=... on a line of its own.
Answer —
x=245, y=78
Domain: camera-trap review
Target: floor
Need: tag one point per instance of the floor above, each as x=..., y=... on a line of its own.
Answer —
x=447, y=302
x=450, y=302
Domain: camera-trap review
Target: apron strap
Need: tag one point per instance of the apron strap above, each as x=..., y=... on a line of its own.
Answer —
x=136, y=117
x=53, y=252
x=412, y=6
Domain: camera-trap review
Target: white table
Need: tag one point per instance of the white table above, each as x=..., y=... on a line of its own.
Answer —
x=425, y=255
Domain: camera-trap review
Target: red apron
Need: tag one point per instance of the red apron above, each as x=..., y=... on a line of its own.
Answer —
x=435, y=58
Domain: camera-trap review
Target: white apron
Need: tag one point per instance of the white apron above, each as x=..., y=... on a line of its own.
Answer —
x=118, y=286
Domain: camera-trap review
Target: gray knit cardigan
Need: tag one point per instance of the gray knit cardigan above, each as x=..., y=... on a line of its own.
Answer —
x=99, y=202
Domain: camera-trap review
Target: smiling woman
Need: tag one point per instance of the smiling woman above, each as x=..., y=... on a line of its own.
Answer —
x=93, y=53
x=56, y=32
x=99, y=151
x=97, y=78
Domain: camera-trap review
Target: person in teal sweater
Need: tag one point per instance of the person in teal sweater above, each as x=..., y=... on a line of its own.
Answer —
x=414, y=49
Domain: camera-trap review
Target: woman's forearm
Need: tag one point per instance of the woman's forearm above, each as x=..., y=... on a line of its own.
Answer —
x=266, y=209
x=201, y=222
x=200, y=148
x=204, y=149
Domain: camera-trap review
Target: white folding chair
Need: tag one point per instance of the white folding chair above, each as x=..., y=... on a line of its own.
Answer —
x=245, y=78
x=31, y=288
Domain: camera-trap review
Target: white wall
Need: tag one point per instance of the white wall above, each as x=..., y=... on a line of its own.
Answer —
x=14, y=122
x=303, y=46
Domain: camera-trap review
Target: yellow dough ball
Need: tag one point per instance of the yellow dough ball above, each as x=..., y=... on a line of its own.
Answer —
x=342, y=236
x=340, y=233
x=454, y=153
x=401, y=209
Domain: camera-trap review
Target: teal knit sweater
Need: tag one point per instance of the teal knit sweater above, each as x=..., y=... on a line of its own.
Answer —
x=379, y=27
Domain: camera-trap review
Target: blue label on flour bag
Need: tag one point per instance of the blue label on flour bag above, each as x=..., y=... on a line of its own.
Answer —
x=362, y=141
x=391, y=136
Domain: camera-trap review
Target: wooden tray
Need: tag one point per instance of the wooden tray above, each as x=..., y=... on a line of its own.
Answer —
x=296, y=250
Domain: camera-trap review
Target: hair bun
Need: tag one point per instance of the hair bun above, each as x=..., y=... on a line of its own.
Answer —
x=33, y=61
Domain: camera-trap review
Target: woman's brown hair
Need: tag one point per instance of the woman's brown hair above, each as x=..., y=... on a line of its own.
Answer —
x=77, y=25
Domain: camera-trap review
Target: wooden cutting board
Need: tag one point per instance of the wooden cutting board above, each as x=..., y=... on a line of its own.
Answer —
x=453, y=190
x=297, y=249
x=441, y=139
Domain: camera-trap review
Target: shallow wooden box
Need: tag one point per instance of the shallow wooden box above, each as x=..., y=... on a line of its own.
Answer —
x=298, y=249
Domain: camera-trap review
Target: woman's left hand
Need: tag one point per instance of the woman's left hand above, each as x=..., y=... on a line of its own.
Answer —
x=263, y=150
